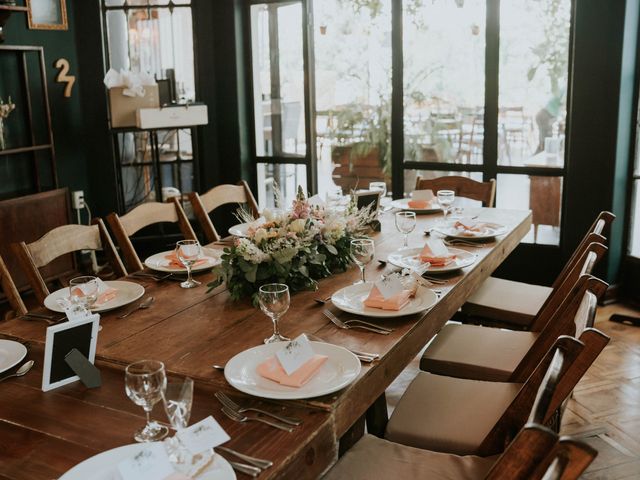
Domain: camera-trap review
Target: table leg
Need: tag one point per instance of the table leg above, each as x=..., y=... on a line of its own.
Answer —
x=350, y=438
x=377, y=417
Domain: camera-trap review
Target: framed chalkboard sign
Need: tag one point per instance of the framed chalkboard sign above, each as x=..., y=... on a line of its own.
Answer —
x=368, y=198
x=47, y=14
x=62, y=339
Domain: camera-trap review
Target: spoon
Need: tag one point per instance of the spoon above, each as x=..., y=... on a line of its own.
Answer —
x=141, y=306
x=218, y=367
x=24, y=368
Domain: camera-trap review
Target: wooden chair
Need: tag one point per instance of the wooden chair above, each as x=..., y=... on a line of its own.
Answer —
x=512, y=304
x=567, y=461
x=204, y=204
x=463, y=187
x=10, y=291
x=60, y=241
x=142, y=216
x=375, y=458
x=471, y=417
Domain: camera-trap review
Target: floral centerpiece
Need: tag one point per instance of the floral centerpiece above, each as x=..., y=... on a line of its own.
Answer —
x=297, y=247
x=5, y=110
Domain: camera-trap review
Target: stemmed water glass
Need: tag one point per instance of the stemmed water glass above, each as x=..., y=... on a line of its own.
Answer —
x=362, y=252
x=145, y=382
x=274, y=302
x=445, y=199
x=83, y=291
x=188, y=252
x=406, y=223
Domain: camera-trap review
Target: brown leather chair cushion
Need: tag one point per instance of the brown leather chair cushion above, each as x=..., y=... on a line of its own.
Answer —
x=447, y=414
x=374, y=458
x=507, y=301
x=479, y=353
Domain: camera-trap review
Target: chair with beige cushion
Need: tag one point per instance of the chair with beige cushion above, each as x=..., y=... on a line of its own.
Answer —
x=534, y=446
x=60, y=241
x=206, y=203
x=142, y=216
x=497, y=355
x=10, y=291
x=515, y=304
x=464, y=187
x=471, y=417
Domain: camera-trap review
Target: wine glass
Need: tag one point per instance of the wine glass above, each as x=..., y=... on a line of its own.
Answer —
x=188, y=252
x=406, y=223
x=83, y=291
x=445, y=199
x=274, y=302
x=379, y=186
x=144, y=383
x=362, y=252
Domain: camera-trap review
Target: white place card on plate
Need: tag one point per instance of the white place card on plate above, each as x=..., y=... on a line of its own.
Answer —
x=389, y=286
x=468, y=222
x=426, y=195
x=295, y=353
x=201, y=436
x=151, y=463
x=437, y=247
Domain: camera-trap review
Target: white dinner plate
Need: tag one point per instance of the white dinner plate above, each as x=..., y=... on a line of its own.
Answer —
x=403, y=204
x=128, y=292
x=410, y=258
x=350, y=299
x=160, y=263
x=103, y=466
x=490, y=231
x=341, y=368
x=11, y=353
x=240, y=230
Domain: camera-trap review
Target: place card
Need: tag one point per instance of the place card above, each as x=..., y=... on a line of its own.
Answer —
x=437, y=247
x=468, y=223
x=389, y=286
x=151, y=463
x=426, y=195
x=295, y=353
x=204, y=435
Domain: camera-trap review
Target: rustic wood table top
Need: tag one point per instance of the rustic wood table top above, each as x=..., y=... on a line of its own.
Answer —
x=42, y=435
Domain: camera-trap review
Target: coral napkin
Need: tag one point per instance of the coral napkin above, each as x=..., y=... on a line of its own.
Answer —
x=174, y=261
x=272, y=370
x=396, y=302
x=427, y=256
x=421, y=204
x=104, y=294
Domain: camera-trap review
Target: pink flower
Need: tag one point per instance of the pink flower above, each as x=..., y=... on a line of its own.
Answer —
x=301, y=209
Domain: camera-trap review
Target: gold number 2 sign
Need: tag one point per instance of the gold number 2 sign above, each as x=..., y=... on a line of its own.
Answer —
x=63, y=65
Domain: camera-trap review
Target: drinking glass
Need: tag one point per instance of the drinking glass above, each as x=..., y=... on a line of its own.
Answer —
x=274, y=302
x=83, y=291
x=406, y=223
x=177, y=399
x=144, y=383
x=362, y=252
x=188, y=252
x=445, y=199
x=379, y=186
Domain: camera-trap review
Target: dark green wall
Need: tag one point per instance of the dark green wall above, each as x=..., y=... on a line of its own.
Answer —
x=66, y=113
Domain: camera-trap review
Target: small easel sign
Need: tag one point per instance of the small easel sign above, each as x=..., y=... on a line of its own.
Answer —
x=69, y=353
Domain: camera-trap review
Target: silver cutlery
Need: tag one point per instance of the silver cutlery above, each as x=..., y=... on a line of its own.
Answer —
x=257, y=462
x=24, y=368
x=462, y=243
x=356, y=324
x=152, y=276
x=244, y=468
x=238, y=417
x=230, y=404
x=322, y=301
x=46, y=316
x=143, y=305
x=218, y=367
x=435, y=281
x=365, y=357
x=51, y=320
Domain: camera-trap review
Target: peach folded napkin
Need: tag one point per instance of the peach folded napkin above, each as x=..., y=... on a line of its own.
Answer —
x=472, y=229
x=427, y=256
x=272, y=370
x=421, y=204
x=103, y=297
x=396, y=302
x=174, y=261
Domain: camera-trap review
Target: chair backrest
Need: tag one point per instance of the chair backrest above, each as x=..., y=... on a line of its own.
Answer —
x=10, y=291
x=142, y=216
x=60, y=241
x=584, y=265
x=594, y=234
x=463, y=187
x=567, y=460
x=204, y=204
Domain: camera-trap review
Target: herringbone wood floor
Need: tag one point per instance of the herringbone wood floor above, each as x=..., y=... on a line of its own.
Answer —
x=605, y=408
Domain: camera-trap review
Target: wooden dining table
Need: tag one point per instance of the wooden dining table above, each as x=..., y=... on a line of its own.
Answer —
x=42, y=435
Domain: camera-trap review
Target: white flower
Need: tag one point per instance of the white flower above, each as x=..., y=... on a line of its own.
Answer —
x=297, y=226
x=260, y=235
x=268, y=215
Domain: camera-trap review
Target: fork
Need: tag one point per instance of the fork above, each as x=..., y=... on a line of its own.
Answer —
x=463, y=243
x=231, y=405
x=257, y=462
x=157, y=278
x=238, y=417
x=355, y=324
x=365, y=357
x=435, y=281
x=246, y=469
